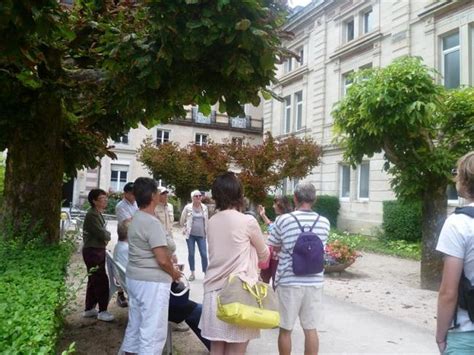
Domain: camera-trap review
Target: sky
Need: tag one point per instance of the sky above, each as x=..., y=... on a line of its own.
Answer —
x=294, y=3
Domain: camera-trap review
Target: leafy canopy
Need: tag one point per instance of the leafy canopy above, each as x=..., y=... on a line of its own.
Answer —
x=113, y=65
x=421, y=128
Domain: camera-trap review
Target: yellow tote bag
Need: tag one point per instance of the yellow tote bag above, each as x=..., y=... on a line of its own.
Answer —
x=255, y=306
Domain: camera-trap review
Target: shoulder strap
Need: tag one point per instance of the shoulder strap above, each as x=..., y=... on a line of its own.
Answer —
x=299, y=224
x=467, y=210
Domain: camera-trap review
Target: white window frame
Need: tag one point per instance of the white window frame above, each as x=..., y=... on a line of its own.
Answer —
x=452, y=202
x=288, y=65
x=301, y=53
x=119, y=139
x=367, y=21
x=445, y=52
x=346, y=82
x=120, y=168
x=298, y=110
x=202, y=140
x=287, y=114
x=160, y=136
x=341, y=168
x=346, y=29
x=359, y=173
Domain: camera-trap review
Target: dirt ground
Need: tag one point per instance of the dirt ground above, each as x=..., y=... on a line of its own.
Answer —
x=384, y=284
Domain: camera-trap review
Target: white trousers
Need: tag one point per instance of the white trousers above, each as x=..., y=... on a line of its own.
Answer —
x=147, y=326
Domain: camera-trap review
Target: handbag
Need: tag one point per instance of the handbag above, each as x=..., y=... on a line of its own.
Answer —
x=179, y=292
x=248, y=306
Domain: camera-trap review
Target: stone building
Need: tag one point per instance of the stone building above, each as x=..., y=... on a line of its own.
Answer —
x=195, y=128
x=335, y=38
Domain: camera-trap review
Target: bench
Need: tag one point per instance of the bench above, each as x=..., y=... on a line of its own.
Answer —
x=117, y=279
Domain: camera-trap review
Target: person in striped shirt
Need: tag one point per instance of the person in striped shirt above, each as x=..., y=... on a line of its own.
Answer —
x=300, y=296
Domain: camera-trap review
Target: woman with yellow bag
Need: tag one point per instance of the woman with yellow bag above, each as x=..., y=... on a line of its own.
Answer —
x=236, y=245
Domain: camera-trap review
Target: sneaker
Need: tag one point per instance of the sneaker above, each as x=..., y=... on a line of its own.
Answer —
x=191, y=278
x=105, y=316
x=91, y=313
x=179, y=327
x=122, y=301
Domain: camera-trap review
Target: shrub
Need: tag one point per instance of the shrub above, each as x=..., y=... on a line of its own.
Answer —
x=33, y=294
x=328, y=206
x=402, y=221
x=176, y=207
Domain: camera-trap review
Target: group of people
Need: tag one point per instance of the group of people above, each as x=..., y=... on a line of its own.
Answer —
x=235, y=246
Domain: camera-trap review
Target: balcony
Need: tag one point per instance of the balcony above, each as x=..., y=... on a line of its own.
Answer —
x=243, y=124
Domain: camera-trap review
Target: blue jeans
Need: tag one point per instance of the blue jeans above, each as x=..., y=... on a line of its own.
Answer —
x=201, y=242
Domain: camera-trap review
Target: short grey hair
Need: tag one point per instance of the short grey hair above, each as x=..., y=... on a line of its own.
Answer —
x=305, y=192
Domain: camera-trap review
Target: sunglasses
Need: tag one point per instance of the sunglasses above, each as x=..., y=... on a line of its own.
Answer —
x=197, y=195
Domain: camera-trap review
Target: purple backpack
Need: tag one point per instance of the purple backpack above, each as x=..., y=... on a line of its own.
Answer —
x=308, y=252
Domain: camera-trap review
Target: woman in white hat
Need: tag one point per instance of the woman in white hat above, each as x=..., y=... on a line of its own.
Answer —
x=194, y=219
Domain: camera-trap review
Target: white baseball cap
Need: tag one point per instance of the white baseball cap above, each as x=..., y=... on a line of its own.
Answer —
x=162, y=190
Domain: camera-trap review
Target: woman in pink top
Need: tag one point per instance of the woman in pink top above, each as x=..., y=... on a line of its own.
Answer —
x=235, y=245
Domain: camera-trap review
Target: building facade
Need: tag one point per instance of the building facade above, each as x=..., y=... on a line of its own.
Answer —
x=195, y=128
x=334, y=38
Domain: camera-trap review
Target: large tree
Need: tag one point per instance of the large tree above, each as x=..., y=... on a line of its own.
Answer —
x=260, y=167
x=72, y=78
x=421, y=128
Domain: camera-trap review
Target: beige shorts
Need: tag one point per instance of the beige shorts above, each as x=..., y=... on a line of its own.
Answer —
x=304, y=302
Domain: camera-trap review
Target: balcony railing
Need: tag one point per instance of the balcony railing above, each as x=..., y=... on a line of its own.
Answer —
x=221, y=121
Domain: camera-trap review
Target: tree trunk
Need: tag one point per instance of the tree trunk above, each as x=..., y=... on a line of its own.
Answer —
x=34, y=172
x=434, y=214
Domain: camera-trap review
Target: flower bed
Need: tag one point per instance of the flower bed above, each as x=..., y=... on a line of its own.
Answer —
x=340, y=253
x=32, y=296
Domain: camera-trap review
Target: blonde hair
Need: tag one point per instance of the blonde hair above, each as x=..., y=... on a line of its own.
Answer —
x=465, y=176
x=122, y=230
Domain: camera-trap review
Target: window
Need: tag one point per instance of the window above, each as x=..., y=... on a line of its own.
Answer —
x=118, y=177
x=299, y=110
x=122, y=139
x=344, y=181
x=363, y=181
x=349, y=30
x=288, y=66
x=346, y=82
x=201, y=139
x=451, y=193
x=368, y=21
x=287, y=114
x=238, y=141
x=162, y=136
x=198, y=117
x=451, y=61
x=300, y=52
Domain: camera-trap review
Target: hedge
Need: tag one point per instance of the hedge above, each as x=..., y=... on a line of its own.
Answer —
x=402, y=221
x=328, y=206
x=32, y=297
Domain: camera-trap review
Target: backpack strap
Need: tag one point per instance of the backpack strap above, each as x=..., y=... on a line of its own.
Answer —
x=467, y=210
x=299, y=224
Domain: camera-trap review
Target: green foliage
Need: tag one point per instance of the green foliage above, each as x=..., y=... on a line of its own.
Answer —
x=421, y=127
x=33, y=294
x=79, y=76
x=399, y=248
x=328, y=206
x=176, y=207
x=402, y=221
x=113, y=199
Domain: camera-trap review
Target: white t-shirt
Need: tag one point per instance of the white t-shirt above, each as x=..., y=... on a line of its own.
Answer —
x=125, y=210
x=121, y=253
x=144, y=234
x=457, y=239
